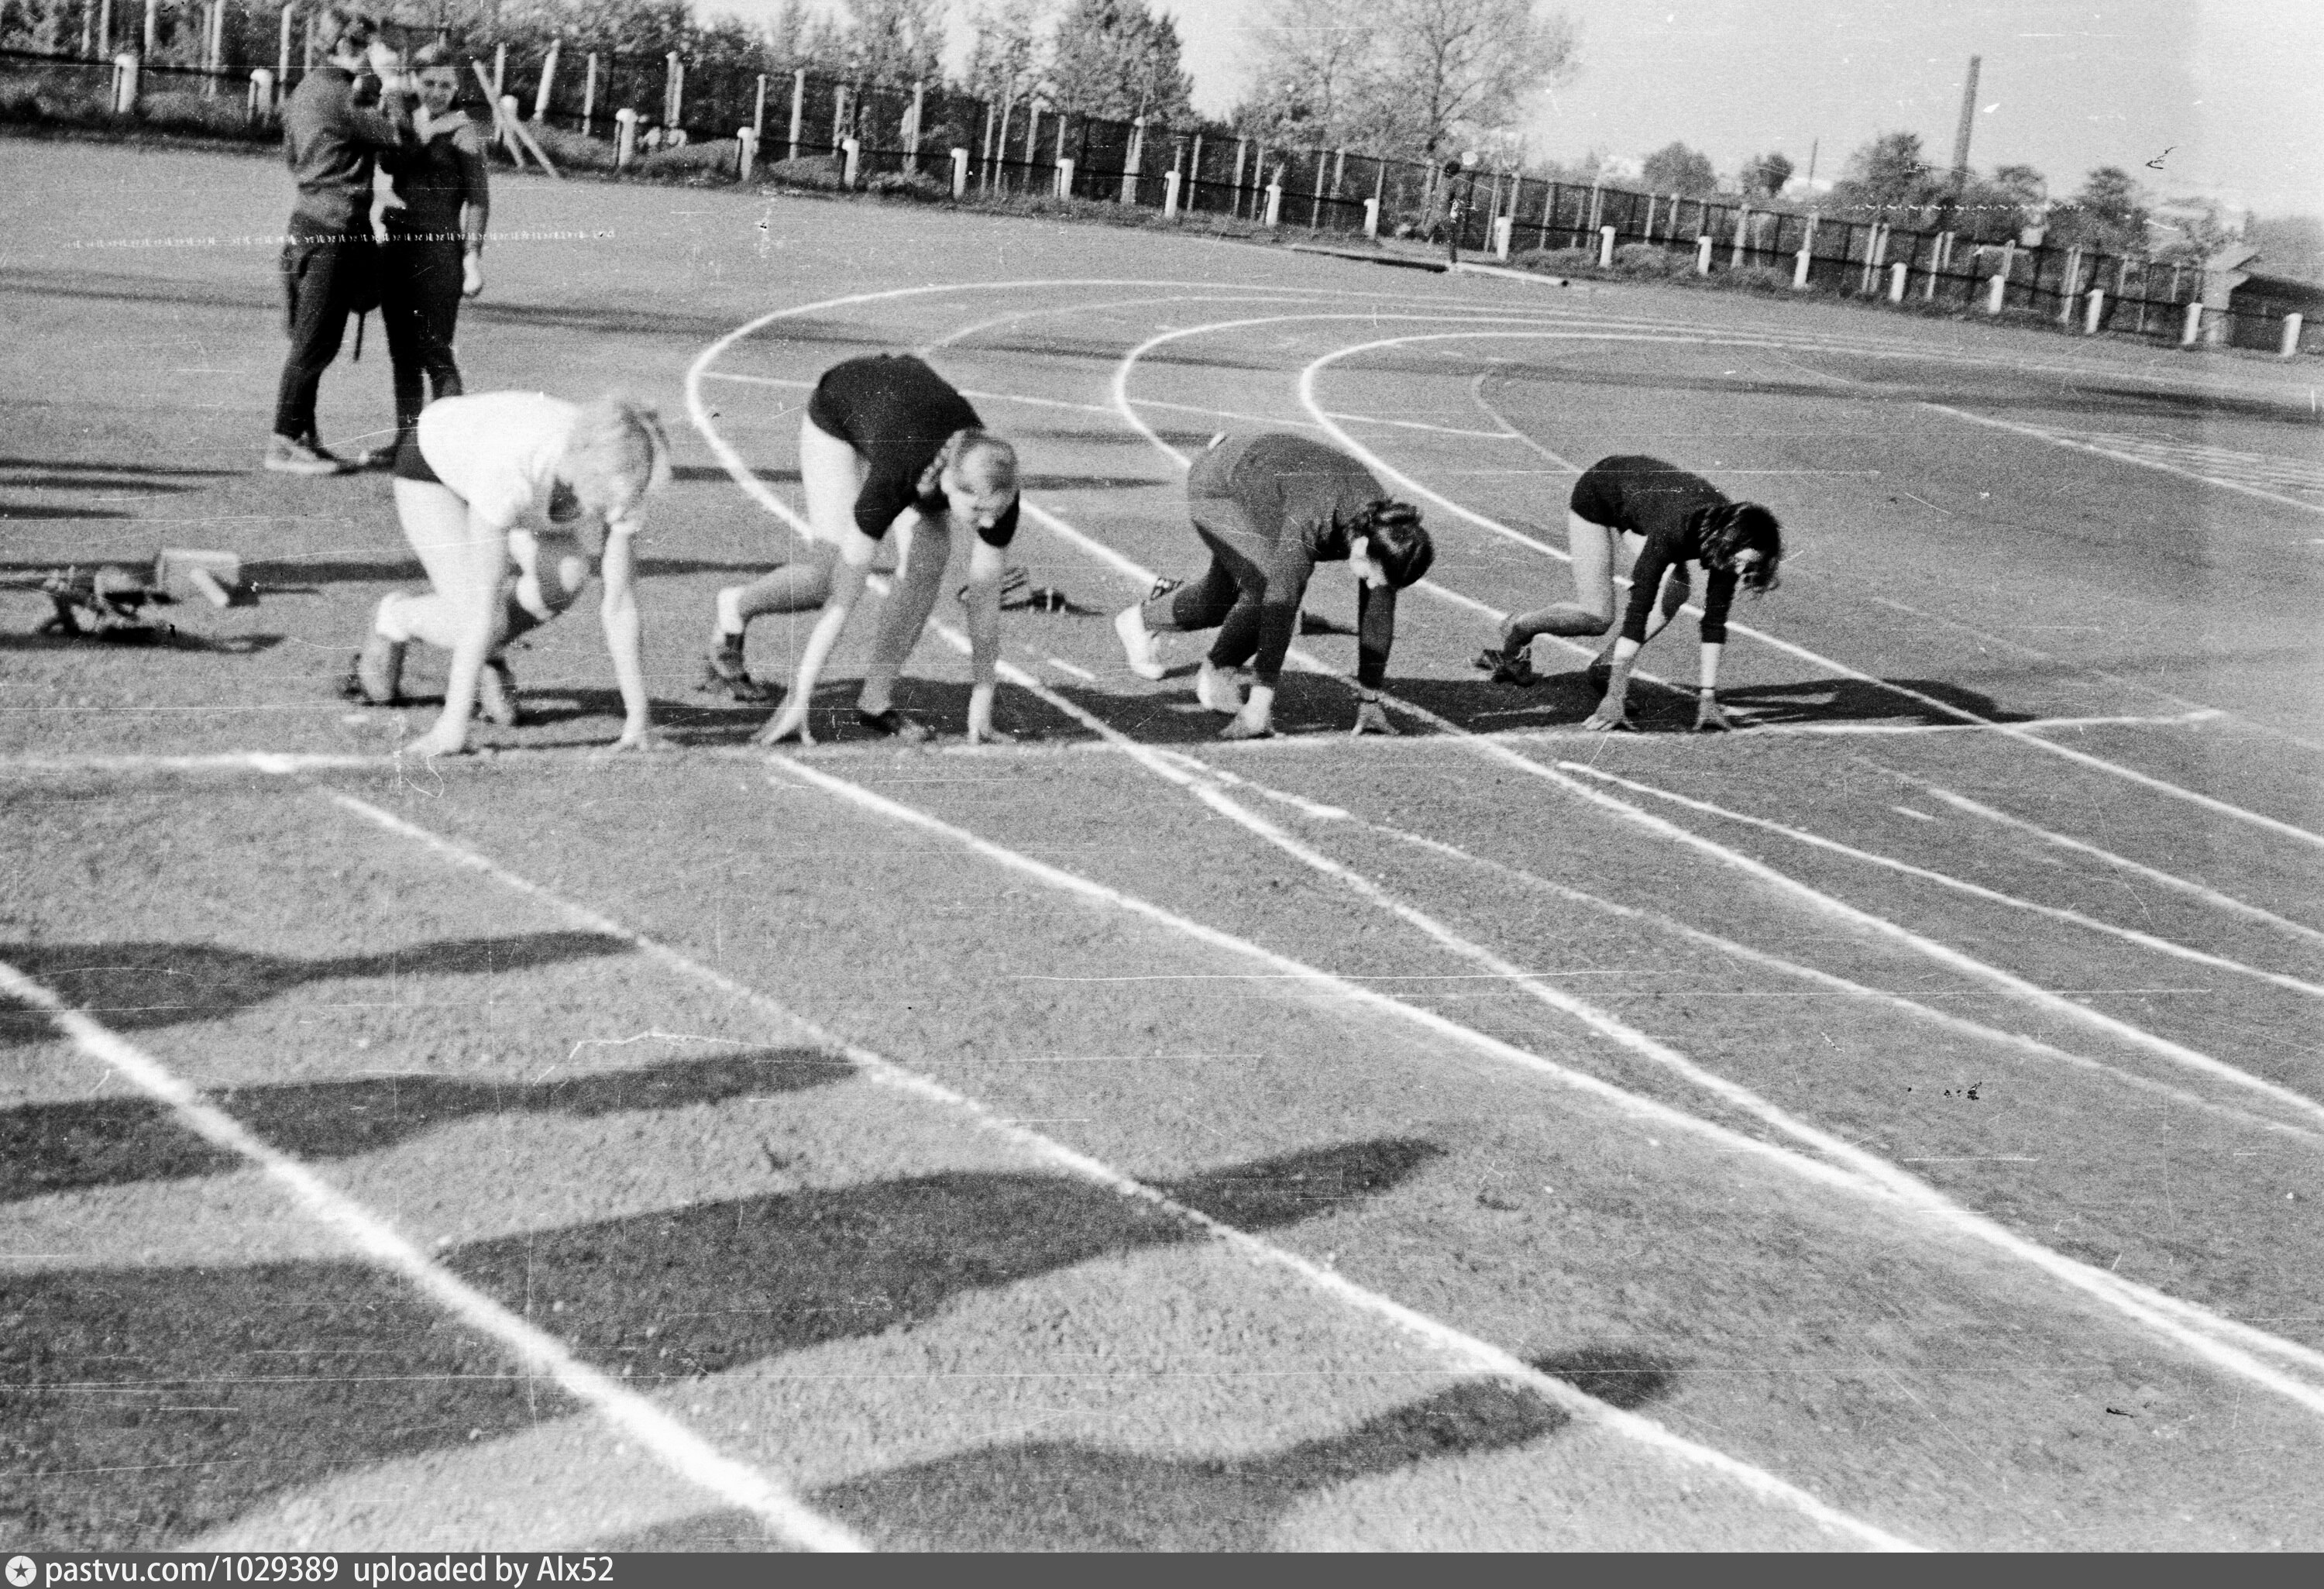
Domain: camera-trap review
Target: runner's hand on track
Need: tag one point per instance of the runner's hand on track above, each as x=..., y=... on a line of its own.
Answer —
x=451, y=741
x=1610, y=717
x=791, y=720
x=1370, y=718
x=646, y=741
x=1711, y=717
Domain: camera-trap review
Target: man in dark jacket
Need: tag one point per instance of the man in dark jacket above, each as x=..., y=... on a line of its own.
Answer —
x=329, y=265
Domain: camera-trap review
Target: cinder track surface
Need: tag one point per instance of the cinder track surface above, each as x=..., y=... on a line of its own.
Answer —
x=1896, y=1123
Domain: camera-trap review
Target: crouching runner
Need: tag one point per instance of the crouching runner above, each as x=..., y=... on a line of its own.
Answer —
x=886, y=444
x=1270, y=507
x=508, y=498
x=1682, y=519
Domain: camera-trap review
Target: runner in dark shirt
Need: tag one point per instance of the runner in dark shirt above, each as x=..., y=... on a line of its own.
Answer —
x=1682, y=519
x=886, y=444
x=1270, y=507
x=433, y=253
x=329, y=268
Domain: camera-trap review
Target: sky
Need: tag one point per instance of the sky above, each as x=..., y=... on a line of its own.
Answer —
x=2227, y=94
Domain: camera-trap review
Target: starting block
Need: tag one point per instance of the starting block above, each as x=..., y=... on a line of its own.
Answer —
x=111, y=602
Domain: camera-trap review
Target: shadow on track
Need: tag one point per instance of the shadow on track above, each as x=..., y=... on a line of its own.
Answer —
x=149, y=1404
x=115, y=1141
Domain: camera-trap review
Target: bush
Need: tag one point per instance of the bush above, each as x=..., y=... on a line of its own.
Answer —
x=569, y=151
x=217, y=116
x=808, y=170
x=714, y=157
x=1557, y=262
x=917, y=185
x=1651, y=261
x=1756, y=279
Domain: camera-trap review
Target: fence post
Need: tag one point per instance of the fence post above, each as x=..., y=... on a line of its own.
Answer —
x=500, y=67
x=214, y=47
x=1997, y=291
x=125, y=83
x=912, y=143
x=673, y=91
x=2290, y=346
x=2194, y=327
x=747, y=141
x=283, y=59
x=1702, y=247
x=153, y=27
x=851, y=154
x=1899, y=274
x=1131, y=160
x=959, y=171
x=547, y=78
x=2095, y=313
x=1800, y=267
x=2067, y=289
x=758, y=111
x=1170, y=194
x=1064, y=167
x=1372, y=217
x=262, y=94
x=1274, y=200
x=625, y=137
x=1742, y=235
x=589, y=98
x=1502, y=226
x=799, y=108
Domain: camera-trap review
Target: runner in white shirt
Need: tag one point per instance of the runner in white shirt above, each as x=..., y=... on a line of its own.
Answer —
x=508, y=497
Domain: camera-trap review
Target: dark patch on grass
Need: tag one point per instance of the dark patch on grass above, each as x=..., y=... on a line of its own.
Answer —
x=1065, y=1495
x=1620, y=1376
x=137, y=986
x=1845, y=700
x=111, y=1142
x=148, y=1404
x=1304, y=1185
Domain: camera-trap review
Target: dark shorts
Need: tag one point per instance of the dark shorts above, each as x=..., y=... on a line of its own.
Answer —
x=411, y=464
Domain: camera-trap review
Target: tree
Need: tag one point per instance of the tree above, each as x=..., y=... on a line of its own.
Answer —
x=1444, y=67
x=1676, y=168
x=2109, y=214
x=895, y=41
x=1114, y=58
x=1316, y=59
x=1767, y=173
x=1888, y=181
x=1004, y=57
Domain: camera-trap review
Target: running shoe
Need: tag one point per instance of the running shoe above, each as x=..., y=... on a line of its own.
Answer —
x=496, y=693
x=1138, y=643
x=1600, y=674
x=893, y=724
x=723, y=669
x=1218, y=691
x=377, y=673
x=1014, y=583
x=1504, y=668
x=290, y=455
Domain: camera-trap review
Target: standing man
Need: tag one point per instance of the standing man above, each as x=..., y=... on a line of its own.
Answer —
x=1269, y=507
x=434, y=252
x=330, y=264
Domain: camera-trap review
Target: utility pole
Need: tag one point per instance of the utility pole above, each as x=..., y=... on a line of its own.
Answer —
x=1968, y=119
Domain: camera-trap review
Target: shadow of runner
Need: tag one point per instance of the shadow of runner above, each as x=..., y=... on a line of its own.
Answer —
x=146, y=1405
x=113, y=1141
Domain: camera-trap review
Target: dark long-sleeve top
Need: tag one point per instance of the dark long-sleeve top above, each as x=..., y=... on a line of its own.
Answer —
x=331, y=142
x=897, y=413
x=435, y=178
x=1302, y=500
x=1663, y=503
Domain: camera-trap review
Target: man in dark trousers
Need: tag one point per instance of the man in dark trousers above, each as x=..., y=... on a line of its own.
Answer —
x=329, y=263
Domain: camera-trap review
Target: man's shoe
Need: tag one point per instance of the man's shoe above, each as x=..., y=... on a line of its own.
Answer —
x=723, y=669
x=1138, y=643
x=1504, y=668
x=378, y=672
x=892, y=723
x=287, y=455
x=496, y=693
x=1218, y=691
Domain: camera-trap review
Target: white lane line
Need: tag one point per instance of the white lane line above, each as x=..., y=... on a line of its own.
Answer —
x=1063, y=666
x=2219, y=1341
x=1307, y=379
x=2072, y=444
x=1418, y=425
x=1462, y=1350
x=2144, y=940
x=677, y=1447
x=2188, y=886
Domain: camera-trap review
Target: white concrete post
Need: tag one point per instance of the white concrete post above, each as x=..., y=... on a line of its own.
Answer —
x=748, y=139
x=2290, y=347
x=2194, y=327
x=850, y=151
x=282, y=62
x=1274, y=200
x=959, y=171
x=673, y=97
x=1898, y=273
x=125, y=82
x=1800, y=269
x=1170, y=195
x=1994, y=293
x=1372, y=217
x=1132, y=159
x=1742, y=234
x=625, y=137
x=799, y=108
x=1606, y=248
x=1065, y=167
x=912, y=143
x=1503, y=225
x=547, y=78
x=2095, y=313
x=152, y=26
x=1702, y=247
x=589, y=98
x=261, y=93
x=500, y=67
x=758, y=110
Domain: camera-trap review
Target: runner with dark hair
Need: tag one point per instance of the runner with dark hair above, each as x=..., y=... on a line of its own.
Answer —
x=1682, y=519
x=1269, y=507
x=330, y=264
